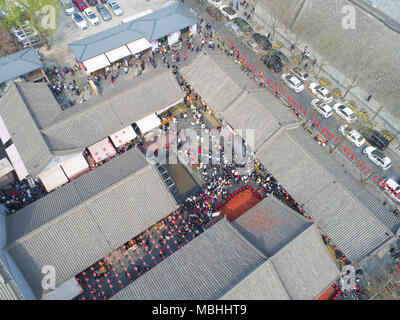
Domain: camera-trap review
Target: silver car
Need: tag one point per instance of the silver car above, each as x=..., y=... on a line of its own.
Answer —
x=233, y=28
x=102, y=10
x=115, y=8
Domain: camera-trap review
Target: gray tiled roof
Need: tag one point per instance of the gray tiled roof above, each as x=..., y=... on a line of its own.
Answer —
x=153, y=26
x=18, y=64
x=204, y=269
x=248, y=113
x=84, y=126
x=262, y=284
x=89, y=231
x=270, y=225
x=336, y=211
x=8, y=290
x=24, y=132
x=305, y=266
x=72, y=194
x=214, y=86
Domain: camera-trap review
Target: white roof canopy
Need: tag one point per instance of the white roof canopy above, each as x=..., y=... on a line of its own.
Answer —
x=75, y=166
x=148, y=123
x=139, y=45
x=17, y=162
x=123, y=136
x=117, y=54
x=4, y=134
x=102, y=150
x=5, y=167
x=96, y=63
x=53, y=178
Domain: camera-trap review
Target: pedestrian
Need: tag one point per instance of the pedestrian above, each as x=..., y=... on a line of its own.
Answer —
x=184, y=56
x=112, y=79
x=306, y=65
x=268, y=35
x=292, y=47
x=314, y=62
x=368, y=98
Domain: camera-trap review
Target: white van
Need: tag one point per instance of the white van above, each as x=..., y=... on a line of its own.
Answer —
x=392, y=188
x=68, y=6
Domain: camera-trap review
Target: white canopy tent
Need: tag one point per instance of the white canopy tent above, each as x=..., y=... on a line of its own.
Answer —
x=66, y=291
x=148, y=123
x=4, y=134
x=123, y=136
x=5, y=167
x=96, y=63
x=118, y=53
x=102, y=150
x=17, y=162
x=139, y=45
x=75, y=166
x=53, y=179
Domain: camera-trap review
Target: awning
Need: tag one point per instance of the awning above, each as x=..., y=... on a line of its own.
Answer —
x=66, y=291
x=17, y=162
x=123, y=136
x=53, y=178
x=148, y=123
x=102, y=150
x=117, y=54
x=4, y=134
x=5, y=167
x=139, y=45
x=96, y=63
x=75, y=166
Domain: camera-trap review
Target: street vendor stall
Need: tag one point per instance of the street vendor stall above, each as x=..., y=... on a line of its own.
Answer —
x=102, y=150
x=75, y=166
x=123, y=136
x=53, y=178
x=96, y=63
x=118, y=54
x=138, y=46
x=147, y=124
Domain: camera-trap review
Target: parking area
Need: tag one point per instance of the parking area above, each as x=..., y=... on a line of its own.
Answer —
x=68, y=32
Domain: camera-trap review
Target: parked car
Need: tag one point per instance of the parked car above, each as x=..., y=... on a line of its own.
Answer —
x=115, y=8
x=34, y=41
x=244, y=26
x=92, y=18
x=79, y=20
x=68, y=7
x=80, y=4
x=233, y=28
x=251, y=45
x=322, y=108
x=272, y=63
x=104, y=13
x=344, y=112
x=214, y=13
x=301, y=74
x=92, y=2
x=20, y=34
x=216, y=3
x=392, y=188
x=375, y=138
x=262, y=41
x=280, y=56
x=321, y=92
x=352, y=135
x=378, y=157
x=228, y=12
x=292, y=82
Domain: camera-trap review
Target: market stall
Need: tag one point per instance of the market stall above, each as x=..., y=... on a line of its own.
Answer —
x=17, y=162
x=75, y=166
x=118, y=54
x=138, y=45
x=53, y=178
x=123, y=136
x=148, y=123
x=96, y=63
x=102, y=150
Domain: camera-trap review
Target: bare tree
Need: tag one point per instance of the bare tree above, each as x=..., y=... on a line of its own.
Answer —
x=274, y=24
x=328, y=48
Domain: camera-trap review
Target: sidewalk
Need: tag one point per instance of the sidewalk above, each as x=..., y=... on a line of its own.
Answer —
x=356, y=96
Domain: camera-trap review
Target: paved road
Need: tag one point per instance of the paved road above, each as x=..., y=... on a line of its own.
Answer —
x=331, y=124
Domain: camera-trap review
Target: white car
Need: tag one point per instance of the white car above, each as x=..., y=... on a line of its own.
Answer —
x=378, y=157
x=92, y=18
x=344, y=112
x=321, y=92
x=228, y=12
x=79, y=20
x=392, y=188
x=115, y=8
x=352, y=135
x=292, y=82
x=26, y=29
x=301, y=74
x=322, y=108
x=216, y=3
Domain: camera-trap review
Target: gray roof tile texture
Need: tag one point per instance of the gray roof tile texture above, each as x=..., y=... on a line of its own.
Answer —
x=18, y=64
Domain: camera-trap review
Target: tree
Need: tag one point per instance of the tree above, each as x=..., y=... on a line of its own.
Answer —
x=362, y=58
x=274, y=24
x=327, y=49
x=41, y=14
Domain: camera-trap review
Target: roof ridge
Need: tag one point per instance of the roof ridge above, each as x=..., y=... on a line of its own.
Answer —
x=341, y=184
